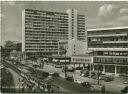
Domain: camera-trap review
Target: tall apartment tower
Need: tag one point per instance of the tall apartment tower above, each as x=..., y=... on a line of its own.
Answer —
x=41, y=30
x=76, y=24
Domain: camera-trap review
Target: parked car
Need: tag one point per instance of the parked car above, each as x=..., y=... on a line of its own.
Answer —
x=108, y=78
x=84, y=73
x=83, y=70
x=69, y=78
x=68, y=69
x=58, y=66
x=55, y=74
x=95, y=75
x=125, y=90
x=78, y=81
x=102, y=77
x=79, y=68
x=86, y=84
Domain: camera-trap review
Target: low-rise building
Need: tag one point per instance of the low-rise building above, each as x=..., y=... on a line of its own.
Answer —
x=72, y=47
x=110, y=49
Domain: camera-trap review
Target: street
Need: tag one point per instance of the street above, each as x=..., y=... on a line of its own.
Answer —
x=66, y=86
x=113, y=86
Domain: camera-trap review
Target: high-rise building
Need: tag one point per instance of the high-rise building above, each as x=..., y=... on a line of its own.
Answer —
x=77, y=26
x=110, y=49
x=41, y=30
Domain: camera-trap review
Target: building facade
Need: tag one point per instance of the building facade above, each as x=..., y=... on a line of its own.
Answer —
x=110, y=49
x=72, y=47
x=41, y=30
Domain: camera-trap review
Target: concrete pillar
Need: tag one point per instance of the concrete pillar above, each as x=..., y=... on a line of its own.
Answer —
x=115, y=70
x=93, y=68
x=103, y=69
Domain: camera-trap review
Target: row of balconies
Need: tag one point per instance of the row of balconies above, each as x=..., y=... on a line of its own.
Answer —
x=50, y=20
x=45, y=32
x=46, y=16
x=39, y=44
x=108, y=46
x=42, y=28
x=45, y=23
x=39, y=49
x=107, y=42
x=41, y=41
x=36, y=40
x=42, y=47
x=107, y=49
x=46, y=26
x=44, y=12
x=43, y=36
x=32, y=12
x=46, y=37
x=108, y=35
x=48, y=34
x=46, y=19
x=115, y=41
x=46, y=41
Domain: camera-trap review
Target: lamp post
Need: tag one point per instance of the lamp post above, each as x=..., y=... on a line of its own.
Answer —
x=98, y=74
x=65, y=51
x=90, y=56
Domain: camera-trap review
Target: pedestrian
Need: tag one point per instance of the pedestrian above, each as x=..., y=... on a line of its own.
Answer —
x=103, y=89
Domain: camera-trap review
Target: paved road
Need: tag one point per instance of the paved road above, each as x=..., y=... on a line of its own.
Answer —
x=66, y=86
x=110, y=86
x=113, y=86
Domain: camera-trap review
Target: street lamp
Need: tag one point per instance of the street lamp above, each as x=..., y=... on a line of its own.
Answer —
x=65, y=62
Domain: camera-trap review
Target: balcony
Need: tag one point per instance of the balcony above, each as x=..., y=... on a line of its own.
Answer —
x=115, y=41
x=108, y=49
x=108, y=35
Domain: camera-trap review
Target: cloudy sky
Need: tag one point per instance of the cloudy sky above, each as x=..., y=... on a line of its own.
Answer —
x=99, y=14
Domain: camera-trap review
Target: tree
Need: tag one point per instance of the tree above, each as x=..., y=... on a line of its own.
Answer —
x=8, y=47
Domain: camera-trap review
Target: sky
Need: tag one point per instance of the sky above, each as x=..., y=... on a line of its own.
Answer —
x=99, y=14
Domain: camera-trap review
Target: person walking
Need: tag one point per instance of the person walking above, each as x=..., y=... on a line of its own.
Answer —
x=103, y=89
